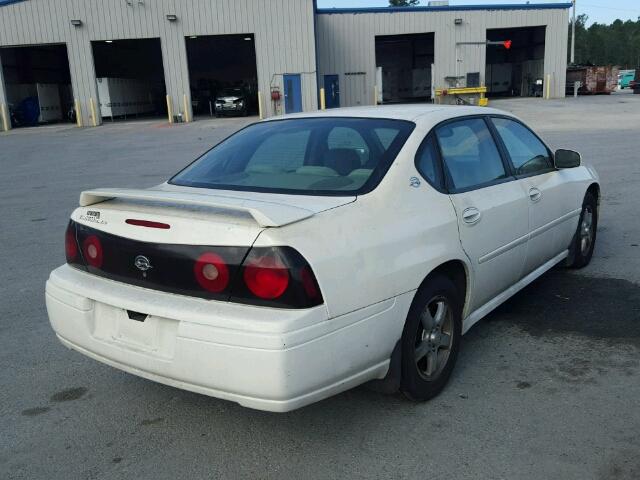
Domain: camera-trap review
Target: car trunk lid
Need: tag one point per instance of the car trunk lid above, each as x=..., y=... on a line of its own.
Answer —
x=196, y=216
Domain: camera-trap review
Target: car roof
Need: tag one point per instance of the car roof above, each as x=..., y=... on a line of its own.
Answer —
x=410, y=112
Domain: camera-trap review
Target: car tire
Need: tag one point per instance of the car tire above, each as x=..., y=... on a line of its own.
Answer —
x=584, y=240
x=431, y=339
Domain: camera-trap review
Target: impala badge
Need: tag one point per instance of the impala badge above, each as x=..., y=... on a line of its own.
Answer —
x=143, y=264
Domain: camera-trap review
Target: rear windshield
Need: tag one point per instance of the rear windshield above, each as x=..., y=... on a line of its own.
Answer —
x=306, y=156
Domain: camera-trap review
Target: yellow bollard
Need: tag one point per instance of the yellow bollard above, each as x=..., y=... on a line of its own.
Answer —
x=169, y=109
x=323, y=100
x=5, y=118
x=78, y=113
x=92, y=106
x=187, y=117
x=548, y=86
x=260, y=106
x=375, y=95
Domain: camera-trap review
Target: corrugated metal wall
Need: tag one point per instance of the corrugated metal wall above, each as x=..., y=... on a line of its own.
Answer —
x=346, y=42
x=283, y=29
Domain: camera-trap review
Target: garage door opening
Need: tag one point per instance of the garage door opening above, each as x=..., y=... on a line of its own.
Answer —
x=38, y=85
x=519, y=70
x=130, y=78
x=404, y=67
x=223, y=74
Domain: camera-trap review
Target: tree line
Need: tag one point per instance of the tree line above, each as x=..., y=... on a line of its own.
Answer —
x=600, y=44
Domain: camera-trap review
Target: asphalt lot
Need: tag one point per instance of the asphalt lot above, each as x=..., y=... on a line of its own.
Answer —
x=547, y=387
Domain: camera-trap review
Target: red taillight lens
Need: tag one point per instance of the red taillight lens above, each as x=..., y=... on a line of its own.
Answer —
x=70, y=245
x=92, y=251
x=266, y=277
x=309, y=283
x=211, y=272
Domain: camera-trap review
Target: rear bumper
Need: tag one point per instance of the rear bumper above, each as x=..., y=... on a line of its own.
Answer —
x=261, y=358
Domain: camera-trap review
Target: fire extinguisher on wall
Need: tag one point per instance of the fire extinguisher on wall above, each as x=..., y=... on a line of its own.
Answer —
x=275, y=98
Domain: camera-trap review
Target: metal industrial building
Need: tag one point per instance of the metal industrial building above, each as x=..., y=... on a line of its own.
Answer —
x=170, y=57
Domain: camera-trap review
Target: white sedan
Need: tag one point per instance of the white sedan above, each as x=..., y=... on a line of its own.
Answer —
x=308, y=254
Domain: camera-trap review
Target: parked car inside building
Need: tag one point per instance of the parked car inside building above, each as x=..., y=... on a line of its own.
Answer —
x=231, y=101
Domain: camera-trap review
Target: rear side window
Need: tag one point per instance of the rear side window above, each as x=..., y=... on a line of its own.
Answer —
x=427, y=162
x=469, y=153
x=528, y=154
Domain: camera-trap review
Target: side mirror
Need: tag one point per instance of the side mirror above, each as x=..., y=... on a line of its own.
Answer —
x=567, y=159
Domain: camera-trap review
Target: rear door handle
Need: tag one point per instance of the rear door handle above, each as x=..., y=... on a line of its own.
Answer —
x=471, y=215
x=535, y=194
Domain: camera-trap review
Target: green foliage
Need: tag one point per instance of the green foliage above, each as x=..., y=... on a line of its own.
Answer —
x=615, y=44
x=403, y=3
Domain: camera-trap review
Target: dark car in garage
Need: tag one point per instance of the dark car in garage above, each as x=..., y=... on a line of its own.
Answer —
x=231, y=101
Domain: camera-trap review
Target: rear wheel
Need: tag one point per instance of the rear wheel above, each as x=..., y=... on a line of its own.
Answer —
x=431, y=339
x=584, y=240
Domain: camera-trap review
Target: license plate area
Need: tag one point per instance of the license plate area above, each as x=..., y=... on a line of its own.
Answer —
x=140, y=335
x=136, y=316
x=155, y=336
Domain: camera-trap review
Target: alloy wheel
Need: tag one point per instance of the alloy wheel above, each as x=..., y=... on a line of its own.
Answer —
x=434, y=339
x=586, y=230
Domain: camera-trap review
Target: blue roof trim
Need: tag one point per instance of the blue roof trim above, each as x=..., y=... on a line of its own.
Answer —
x=448, y=8
x=9, y=2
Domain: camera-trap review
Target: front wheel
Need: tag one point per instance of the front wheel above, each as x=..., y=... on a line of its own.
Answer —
x=431, y=339
x=584, y=241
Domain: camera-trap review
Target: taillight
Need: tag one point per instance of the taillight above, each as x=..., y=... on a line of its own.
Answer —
x=211, y=272
x=309, y=283
x=92, y=251
x=70, y=245
x=266, y=277
x=277, y=277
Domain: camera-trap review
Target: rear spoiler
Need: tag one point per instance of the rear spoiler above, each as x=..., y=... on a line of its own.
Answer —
x=266, y=214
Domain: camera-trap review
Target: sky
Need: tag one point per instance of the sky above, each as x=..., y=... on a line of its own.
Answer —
x=601, y=11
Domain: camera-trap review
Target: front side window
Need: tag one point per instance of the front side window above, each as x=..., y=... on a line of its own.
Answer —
x=318, y=156
x=469, y=153
x=528, y=154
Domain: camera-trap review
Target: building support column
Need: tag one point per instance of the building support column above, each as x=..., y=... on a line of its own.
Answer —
x=83, y=82
x=176, y=73
x=5, y=120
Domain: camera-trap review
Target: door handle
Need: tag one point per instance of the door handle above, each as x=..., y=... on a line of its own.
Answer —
x=471, y=215
x=535, y=194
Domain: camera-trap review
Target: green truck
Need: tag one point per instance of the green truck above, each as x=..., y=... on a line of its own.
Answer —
x=625, y=77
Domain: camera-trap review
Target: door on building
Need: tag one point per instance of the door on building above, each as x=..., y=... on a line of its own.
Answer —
x=292, y=93
x=332, y=91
